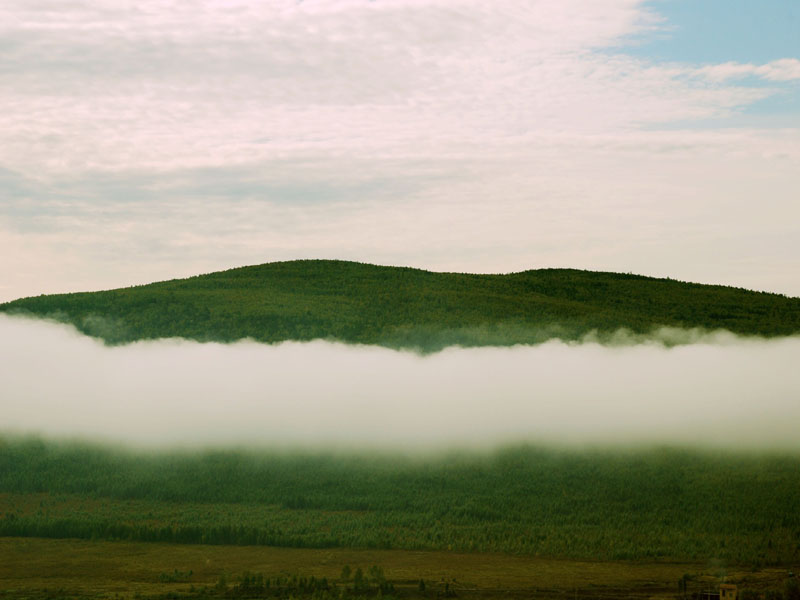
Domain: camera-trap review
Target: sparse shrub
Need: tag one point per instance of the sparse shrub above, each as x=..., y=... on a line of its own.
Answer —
x=791, y=589
x=222, y=583
x=773, y=595
x=359, y=583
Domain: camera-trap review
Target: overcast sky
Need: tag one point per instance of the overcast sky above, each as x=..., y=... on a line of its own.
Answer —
x=153, y=139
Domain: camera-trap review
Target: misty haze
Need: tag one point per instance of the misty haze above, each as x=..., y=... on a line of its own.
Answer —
x=721, y=390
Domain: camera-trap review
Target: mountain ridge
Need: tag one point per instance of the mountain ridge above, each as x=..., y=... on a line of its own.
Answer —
x=410, y=308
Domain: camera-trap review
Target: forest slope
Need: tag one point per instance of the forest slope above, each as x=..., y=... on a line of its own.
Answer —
x=602, y=504
x=409, y=308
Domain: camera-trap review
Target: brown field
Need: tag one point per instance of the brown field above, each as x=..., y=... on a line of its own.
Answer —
x=40, y=568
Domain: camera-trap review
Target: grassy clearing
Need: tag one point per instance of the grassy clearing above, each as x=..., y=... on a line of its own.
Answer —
x=33, y=568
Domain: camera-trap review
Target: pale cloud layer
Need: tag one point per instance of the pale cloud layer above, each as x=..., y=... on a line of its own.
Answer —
x=198, y=84
x=159, y=139
x=721, y=391
x=785, y=69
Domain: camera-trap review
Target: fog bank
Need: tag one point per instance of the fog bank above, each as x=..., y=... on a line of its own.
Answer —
x=720, y=390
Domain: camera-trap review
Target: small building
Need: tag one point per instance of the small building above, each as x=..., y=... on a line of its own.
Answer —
x=727, y=591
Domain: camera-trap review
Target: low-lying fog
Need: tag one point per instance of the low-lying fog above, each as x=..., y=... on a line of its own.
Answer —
x=721, y=390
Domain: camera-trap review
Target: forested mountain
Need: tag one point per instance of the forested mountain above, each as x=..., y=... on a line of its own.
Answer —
x=409, y=308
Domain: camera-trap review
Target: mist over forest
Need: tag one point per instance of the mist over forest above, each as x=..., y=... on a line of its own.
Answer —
x=399, y=300
x=721, y=390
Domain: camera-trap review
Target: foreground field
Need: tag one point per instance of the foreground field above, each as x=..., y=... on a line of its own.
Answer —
x=37, y=568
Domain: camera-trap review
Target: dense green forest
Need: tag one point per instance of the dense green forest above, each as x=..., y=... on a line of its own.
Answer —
x=409, y=308
x=607, y=504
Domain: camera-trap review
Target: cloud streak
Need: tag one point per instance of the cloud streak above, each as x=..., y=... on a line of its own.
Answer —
x=785, y=69
x=721, y=391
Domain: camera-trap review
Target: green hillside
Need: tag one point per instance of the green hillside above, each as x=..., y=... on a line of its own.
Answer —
x=409, y=308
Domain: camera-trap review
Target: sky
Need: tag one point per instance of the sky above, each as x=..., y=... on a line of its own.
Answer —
x=142, y=141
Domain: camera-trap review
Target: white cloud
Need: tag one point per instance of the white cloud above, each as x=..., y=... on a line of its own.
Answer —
x=177, y=85
x=784, y=69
